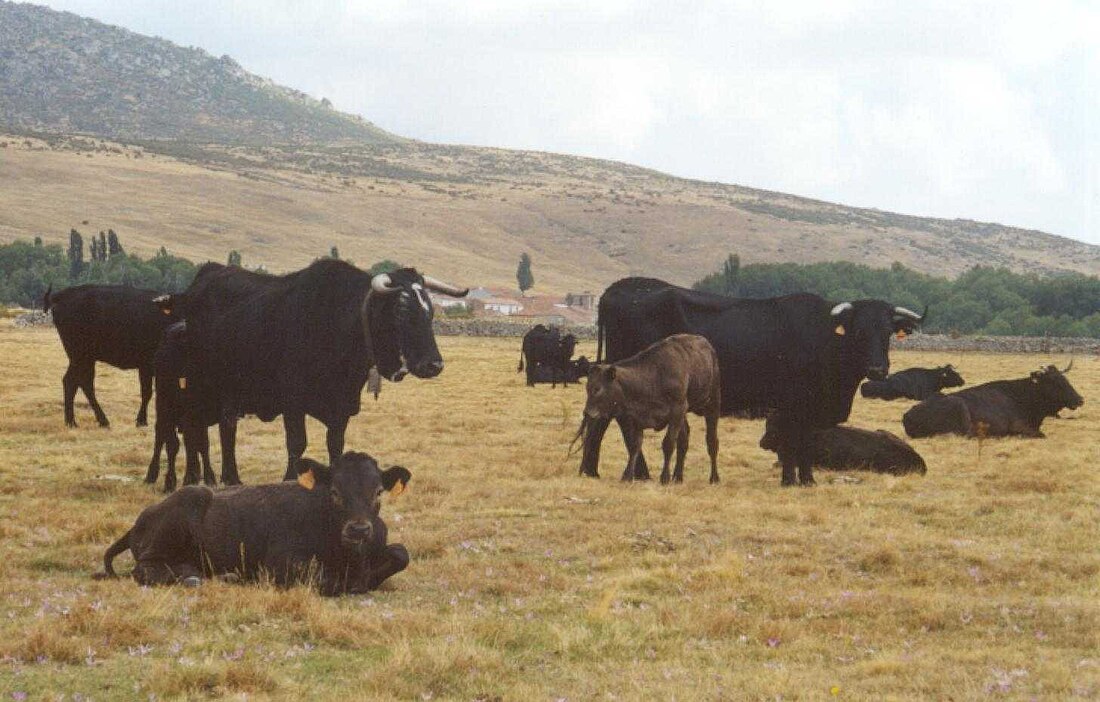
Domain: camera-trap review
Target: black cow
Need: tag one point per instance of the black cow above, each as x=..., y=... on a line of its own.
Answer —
x=999, y=408
x=849, y=448
x=303, y=344
x=913, y=383
x=574, y=371
x=546, y=348
x=799, y=356
x=179, y=409
x=115, y=324
x=323, y=529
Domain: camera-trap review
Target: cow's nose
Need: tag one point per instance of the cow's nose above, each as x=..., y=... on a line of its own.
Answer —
x=877, y=372
x=429, y=369
x=358, y=531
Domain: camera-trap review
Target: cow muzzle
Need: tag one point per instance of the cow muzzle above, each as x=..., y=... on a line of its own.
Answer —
x=878, y=372
x=357, y=532
x=428, y=369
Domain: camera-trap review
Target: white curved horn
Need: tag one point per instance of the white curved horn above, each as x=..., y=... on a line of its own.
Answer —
x=841, y=308
x=381, y=284
x=903, y=312
x=440, y=287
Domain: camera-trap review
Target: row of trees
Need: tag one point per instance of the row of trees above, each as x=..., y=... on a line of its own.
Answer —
x=983, y=300
x=27, y=269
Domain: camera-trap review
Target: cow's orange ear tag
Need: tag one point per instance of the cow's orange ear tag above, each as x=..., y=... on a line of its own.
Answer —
x=307, y=480
x=840, y=330
x=167, y=311
x=183, y=383
x=901, y=334
x=397, y=489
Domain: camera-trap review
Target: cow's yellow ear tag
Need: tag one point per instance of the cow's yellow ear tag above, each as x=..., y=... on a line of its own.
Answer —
x=183, y=383
x=398, y=488
x=840, y=330
x=307, y=480
x=901, y=334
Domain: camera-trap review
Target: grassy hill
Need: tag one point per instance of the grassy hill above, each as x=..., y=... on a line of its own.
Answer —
x=63, y=72
x=171, y=146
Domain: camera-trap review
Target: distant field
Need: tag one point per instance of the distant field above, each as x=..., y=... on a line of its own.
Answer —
x=530, y=583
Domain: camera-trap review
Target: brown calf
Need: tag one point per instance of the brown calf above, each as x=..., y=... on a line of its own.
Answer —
x=656, y=388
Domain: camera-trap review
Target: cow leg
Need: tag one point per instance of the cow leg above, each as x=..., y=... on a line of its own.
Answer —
x=69, y=383
x=531, y=366
x=681, y=452
x=159, y=442
x=145, y=379
x=294, y=425
x=87, y=384
x=334, y=439
x=227, y=432
x=667, y=446
x=636, y=468
x=172, y=442
x=593, y=437
x=805, y=463
x=632, y=434
x=712, y=446
x=395, y=561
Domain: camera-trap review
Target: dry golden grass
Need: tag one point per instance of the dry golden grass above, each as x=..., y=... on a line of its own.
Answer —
x=528, y=582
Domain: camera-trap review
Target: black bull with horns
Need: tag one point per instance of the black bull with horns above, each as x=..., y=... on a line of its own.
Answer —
x=302, y=344
x=799, y=358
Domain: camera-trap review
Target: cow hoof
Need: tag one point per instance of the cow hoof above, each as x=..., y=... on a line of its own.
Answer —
x=787, y=483
x=191, y=581
x=141, y=423
x=71, y=423
x=714, y=481
x=230, y=578
x=809, y=483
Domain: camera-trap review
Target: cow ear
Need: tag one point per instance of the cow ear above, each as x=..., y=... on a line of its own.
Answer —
x=395, y=479
x=609, y=373
x=310, y=472
x=842, y=315
x=1036, y=375
x=166, y=303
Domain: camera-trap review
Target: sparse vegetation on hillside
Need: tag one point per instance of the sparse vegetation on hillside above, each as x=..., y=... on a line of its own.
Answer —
x=983, y=300
x=62, y=72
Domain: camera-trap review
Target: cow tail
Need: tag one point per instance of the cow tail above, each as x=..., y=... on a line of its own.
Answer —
x=46, y=299
x=120, y=546
x=519, y=368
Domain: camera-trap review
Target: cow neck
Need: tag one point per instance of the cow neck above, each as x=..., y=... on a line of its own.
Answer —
x=1025, y=393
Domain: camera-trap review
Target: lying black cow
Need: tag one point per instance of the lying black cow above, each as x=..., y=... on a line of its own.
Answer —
x=574, y=371
x=913, y=383
x=547, y=353
x=848, y=448
x=177, y=408
x=1000, y=408
x=115, y=324
x=323, y=529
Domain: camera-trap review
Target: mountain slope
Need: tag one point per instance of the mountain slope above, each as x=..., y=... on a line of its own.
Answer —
x=62, y=72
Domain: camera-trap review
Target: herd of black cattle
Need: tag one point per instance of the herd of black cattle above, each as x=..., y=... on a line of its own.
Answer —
x=239, y=343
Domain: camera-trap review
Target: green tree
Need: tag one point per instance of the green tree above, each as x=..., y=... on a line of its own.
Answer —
x=114, y=248
x=234, y=258
x=730, y=270
x=334, y=253
x=524, y=277
x=76, y=254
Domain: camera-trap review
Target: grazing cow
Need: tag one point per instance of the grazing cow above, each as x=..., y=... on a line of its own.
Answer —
x=799, y=356
x=303, y=344
x=325, y=528
x=115, y=324
x=546, y=348
x=849, y=448
x=574, y=371
x=999, y=408
x=654, y=389
x=177, y=409
x=913, y=383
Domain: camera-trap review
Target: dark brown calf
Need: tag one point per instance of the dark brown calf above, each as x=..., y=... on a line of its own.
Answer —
x=656, y=388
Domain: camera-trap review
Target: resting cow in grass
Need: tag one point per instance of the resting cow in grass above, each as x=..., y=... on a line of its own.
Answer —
x=913, y=383
x=323, y=529
x=654, y=389
x=116, y=324
x=849, y=448
x=1000, y=408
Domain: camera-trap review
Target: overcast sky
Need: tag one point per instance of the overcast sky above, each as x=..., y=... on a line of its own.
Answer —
x=982, y=110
